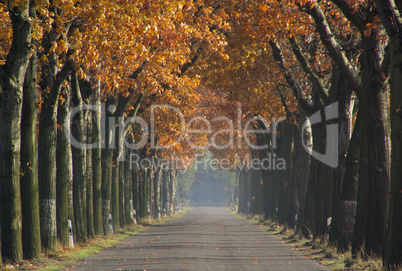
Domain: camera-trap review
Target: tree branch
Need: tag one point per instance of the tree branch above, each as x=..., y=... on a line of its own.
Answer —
x=191, y=62
x=390, y=17
x=59, y=80
x=283, y=100
x=292, y=82
x=137, y=72
x=334, y=48
x=315, y=79
x=356, y=18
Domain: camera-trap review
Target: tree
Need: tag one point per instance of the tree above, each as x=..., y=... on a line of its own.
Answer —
x=390, y=17
x=12, y=75
x=29, y=170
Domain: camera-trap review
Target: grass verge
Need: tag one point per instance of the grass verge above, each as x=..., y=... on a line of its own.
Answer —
x=56, y=260
x=316, y=249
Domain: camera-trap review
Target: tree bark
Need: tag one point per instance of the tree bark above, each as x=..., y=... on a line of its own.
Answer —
x=157, y=184
x=136, y=191
x=173, y=177
x=390, y=16
x=295, y=178
x=12, y=76
x=29, y=176
x=393, y=248
x=128, y=191
x=375, y=162
x=52, y=82
x=79, y=165
x=115, y=191
x=285, y=150
x=122, y=192
x=89, y=175
x=304, y=166
x=107, y=162
x=64, y=173
x=316, y=197
x=97, y=162
x=345, y=101
x=347, y=208
x=165, y=193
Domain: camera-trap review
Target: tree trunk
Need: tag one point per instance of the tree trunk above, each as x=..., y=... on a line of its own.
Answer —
x=255, y=182
x=157, y=181
x=97, y=162
x=145, y=192
x=316, y=200
x=29, y=176
x=346, y=102
x=285, y=150
x=64, y=173
x=140, y=211
x=79, y=165
x=242, y=197
x=107, y=161
x=89, y=176
x=128, y=191
x=51, y=84
x=12, y=76
x=303, y=166
x=347, y=208
x=136, y=191
x=295, y=178
x=150, y=192
x=173, y=189
x=122, y=186
x=372, y=208
x=47, y=176
x=165, y=193
x=115, y=191
x=393, y=248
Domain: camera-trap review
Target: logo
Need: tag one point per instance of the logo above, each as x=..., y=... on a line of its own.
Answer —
x=330, y=157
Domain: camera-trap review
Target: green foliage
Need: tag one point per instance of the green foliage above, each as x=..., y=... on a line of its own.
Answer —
x=184, y=181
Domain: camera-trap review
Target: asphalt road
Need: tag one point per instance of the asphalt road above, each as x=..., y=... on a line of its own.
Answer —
x=207, y=238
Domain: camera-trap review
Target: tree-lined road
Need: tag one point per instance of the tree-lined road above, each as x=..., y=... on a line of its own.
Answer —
x=208, y=237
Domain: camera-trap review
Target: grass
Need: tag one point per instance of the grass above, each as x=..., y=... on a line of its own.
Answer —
x=317, y=249
x=56, y=260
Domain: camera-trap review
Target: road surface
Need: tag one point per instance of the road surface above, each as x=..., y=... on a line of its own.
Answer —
x=207, y=238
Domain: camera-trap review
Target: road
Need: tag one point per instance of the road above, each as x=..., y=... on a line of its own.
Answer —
x=207, y=238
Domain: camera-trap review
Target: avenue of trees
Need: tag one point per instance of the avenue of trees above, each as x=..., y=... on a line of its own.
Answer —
x=85, y=85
